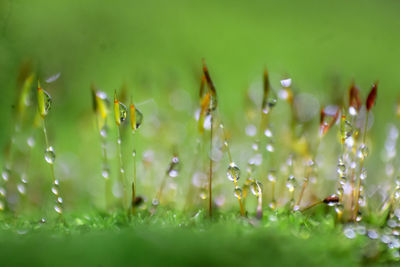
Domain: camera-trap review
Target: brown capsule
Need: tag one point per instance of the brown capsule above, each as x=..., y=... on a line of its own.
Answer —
x=323, y=124
x=94, y=102
x=331, y=199
x=202, y=83
x=354, y=97
x=137, y=201
x=372, y=96
x=208, y=79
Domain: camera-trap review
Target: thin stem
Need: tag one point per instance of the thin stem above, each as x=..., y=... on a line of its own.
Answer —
x=228, y=150
x=134, y=173
x=357, y=204
x=308, y=173
x=211, y=170
x=121, y=168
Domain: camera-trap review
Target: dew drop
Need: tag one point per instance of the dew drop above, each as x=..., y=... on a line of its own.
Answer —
x=291, y=183
x=21, y=189
x=233, y=172
x=237, y=192
x=31, y=141
x=155, y=202
x=54, y=190
x=173, y=169
x=5, y=174
x=256, y=188
x=269, y=103
x=363, y=174
x=251, y=130
x=104, y=131
x=3, y=192
x=349, y=233
x=138, y=118
x=50, y=155
x=123, y=112
x=272, y=176
x=58, y=209
x=268, y=133
x=341, y=168
x=339, y=208
x=203, y=194
x=270, y=147
x=362, y=152
x=105, y=173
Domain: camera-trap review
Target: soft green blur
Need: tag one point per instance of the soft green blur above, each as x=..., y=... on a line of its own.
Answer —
x=156, y=47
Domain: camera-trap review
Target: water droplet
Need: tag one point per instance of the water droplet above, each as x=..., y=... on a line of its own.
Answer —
x=341, y=168
x=139, y=118
x=53, y=78
x=256, y=160
x=134, y=153
x=233, y=172
x=291, y=183
x=339, y=208
x=372, y=234
x=254, y=146
x=199, y=179
x=31, y=141
x=60, y=200
x=363, y=174
x=3, y=192
x=5, y=174
x=45, y=103
x=155, y=202
x=349, y=232
x=123, y=112
x=54, y=190
x=50, y=155
x=269, y=103
x=21, y=189
x=268, y=133
x=352, y=111
x=173, y=169
x=362, y=152
x=251, y=130
x=105, y=173
x=270, y=147
x=286, y=82
x=43, y=220
x=58, y=209
x=104, y=131
x=203, y=194
x=272, y=176
x=256, y=188
x=237, y=192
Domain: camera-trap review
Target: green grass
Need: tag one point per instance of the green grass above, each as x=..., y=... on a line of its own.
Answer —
x=173, y=239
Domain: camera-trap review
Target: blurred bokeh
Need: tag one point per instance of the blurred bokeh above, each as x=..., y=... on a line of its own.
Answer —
x=154, y=49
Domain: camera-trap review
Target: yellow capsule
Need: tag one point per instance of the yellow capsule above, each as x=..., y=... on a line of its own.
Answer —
x=24, y=97
x=44, y=101
x=398, y=108
x=116, y=110
x=133, y=117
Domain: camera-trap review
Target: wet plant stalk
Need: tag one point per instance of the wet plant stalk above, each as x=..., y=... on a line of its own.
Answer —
x=235, y=178
x=362, y=159
x=308, y=173
x=121, y=169
x=134, y=172
x=211, y=169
